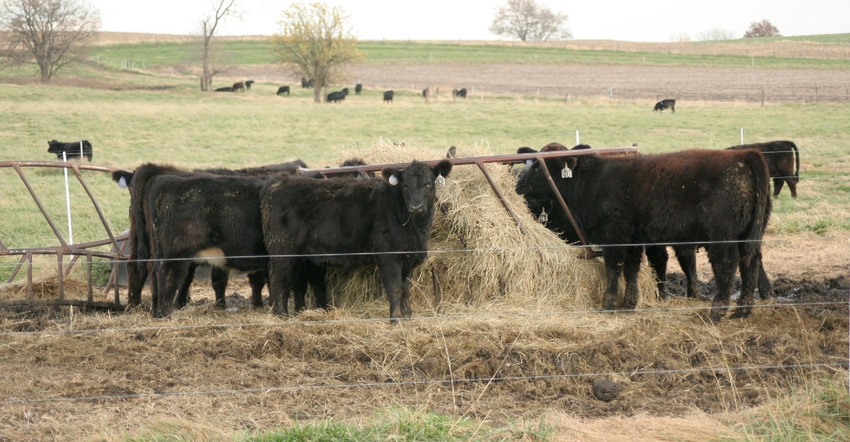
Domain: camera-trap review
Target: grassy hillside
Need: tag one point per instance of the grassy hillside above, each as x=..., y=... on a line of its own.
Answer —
x=715, y=54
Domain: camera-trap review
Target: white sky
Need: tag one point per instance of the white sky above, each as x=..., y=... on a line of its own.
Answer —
x=628, y=20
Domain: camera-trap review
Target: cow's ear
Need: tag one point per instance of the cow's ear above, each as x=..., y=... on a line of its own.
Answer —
x=525, y=149
x=391, y=175
x=123, y=178
x=443, y=168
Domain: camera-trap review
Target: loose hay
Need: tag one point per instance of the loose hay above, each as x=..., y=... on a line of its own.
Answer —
x=480, y=257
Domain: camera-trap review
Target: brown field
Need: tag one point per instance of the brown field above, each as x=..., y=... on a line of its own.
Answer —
x=80, y=376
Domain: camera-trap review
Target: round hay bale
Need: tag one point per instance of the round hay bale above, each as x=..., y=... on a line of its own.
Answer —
x=478, y=255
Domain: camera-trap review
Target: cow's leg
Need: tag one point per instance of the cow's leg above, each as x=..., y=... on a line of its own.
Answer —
x=405, y=292
x=137, y=273
x=687, y=257
x=792, y=184
x=749, y=274
x=657, y=257
x=764, y=285
x=391, y=275
x=777, y=186
x=317, y=279
x=183, y=293
x=613, y=270
x=724, y=261
x=169, y=275
x=631, y=269
x=300, y=279
x=280, y=283
x=219, y=277
x=257, y=280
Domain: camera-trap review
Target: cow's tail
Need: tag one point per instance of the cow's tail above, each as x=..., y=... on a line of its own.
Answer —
x=761, y=213
x=796, y=160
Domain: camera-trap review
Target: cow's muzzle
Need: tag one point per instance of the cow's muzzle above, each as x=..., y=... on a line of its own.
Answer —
x=416, y=210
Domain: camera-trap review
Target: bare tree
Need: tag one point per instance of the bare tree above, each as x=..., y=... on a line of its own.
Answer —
x=47, y=33
x=221, y=9
x=316, y=42
x=715, y=34
x=529, y=21
x=762, y=28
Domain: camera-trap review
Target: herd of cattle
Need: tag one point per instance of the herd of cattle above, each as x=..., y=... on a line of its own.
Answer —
x=284, y=228
x=333, y=97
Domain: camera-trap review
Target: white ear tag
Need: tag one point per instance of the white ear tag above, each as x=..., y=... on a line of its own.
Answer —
x=440, y=181
x=393, y=180
x=566, y=172
x=544, y=217
x=528, y=163
x=122, y=183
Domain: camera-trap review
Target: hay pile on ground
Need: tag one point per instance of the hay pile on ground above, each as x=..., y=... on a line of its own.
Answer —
x=482, y=259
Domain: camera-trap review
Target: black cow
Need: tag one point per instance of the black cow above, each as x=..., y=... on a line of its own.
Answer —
x=388, y=96
x=74, y=149
x=351, y=223
x=664, y=104
x=283, y=90
x=239, y=86
x=209, y=219
x=358, y=88
x=139, y=266
x=344, y=91
x=335, y=97
x=696, y=196
x=248, y=84
x=459, y=93
x=783, y=163
x=425, y=92
x=224, y=89
x=305, y=83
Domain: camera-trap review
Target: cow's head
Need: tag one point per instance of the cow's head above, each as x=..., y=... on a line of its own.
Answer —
x=532, y=183
x=418, y=183
x=123, y=178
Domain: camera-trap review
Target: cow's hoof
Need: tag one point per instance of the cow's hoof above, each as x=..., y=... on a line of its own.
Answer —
x=742, y=312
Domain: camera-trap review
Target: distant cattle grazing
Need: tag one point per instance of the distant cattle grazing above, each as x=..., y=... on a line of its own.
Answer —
x=74, y=149
x=239, y=86
x=351, y=223
x=459, y=93
x=344, y=91
x=664, y=104
x=335, y=97
x=283, y=90
x=141, y=230
x=388, y=96
x=717, y=199
x=358, y=88
x=248, y=84
x=224, y=89
x=783, y=163
x=425, y=92
x=305, y=83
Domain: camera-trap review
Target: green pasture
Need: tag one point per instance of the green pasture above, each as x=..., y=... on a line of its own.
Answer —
x=192, y=129
x=258, y=52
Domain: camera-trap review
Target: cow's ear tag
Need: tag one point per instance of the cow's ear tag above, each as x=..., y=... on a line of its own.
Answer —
x=566, y=173
x=528, y=163
x=393, y=180
x=544, y=217
x=122, y=183
x=440, y=181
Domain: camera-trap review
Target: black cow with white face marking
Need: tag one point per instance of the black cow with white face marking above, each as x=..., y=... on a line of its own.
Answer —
x=350, y=223
x=668, y=103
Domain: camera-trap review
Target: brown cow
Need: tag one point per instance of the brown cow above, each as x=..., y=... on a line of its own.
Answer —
x=721, y=201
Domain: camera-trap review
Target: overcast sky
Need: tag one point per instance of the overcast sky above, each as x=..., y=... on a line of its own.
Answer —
x=629, y=20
